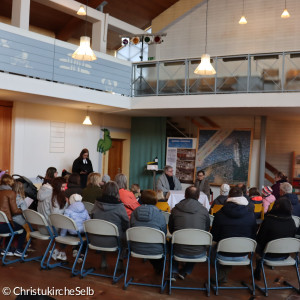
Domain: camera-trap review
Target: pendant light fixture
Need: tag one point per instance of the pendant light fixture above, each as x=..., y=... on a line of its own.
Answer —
x=205, y=67
x=285, y=14
x=81, y=11
x=243, y=20
x=87, y=120
x=84, y=51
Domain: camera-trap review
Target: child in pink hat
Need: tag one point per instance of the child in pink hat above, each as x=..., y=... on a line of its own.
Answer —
x=268, y=198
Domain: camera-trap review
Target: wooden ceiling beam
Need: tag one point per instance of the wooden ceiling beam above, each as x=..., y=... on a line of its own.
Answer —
x=195, y=122
x=210, y=122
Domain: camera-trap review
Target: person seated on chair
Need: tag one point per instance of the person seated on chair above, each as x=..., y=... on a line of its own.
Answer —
x=150, y=216
x=233, y=220
x=255, y=198
x=188, y=213
x=78, y=213
x=221, y=199
x=93, y=189
x=110, y=208
x=126, y=197
x=268, y=198
x=162, y=202
x=73, y=186
x=286, y=191
x=277, y=224
x=202, y=184
x=167, y=181
x=8, y=205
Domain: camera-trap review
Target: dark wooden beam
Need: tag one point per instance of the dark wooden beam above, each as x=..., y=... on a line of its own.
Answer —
x=195, y=122
x=271, y=168
x=210, y=122
x=270, y=178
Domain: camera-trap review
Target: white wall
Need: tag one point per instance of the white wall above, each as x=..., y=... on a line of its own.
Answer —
x=31, y=137
x=265, y=31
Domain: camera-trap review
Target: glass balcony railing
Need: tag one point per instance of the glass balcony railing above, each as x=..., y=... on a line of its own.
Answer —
x=249, y=73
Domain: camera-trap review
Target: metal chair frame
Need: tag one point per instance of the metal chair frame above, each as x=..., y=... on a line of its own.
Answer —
x=101, y=227
x=145, y=238
x=190, y=237
x=34, y=218
x=11, y=234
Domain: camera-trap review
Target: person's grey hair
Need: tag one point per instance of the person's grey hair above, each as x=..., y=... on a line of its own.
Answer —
x=121, y=181
x=286, y=187
x=167, y=167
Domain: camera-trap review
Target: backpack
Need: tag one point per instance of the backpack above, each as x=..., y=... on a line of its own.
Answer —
x=29, y=188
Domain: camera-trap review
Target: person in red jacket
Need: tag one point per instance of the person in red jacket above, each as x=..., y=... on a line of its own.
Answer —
x=126, y=196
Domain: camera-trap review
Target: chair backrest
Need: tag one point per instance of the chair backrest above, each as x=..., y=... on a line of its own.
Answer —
x=61, y=221
x=167, y=216
x=296, y=220
x=100, y=227
x=284, y=245
x=236, y=245
x=195, y=237
x=215, y=208
x=3, y=217
x=145, y=235
x=33, y=217
x=88, y=206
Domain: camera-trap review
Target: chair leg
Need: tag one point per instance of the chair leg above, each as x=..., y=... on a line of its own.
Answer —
x=115, y=278
x=252, y=276
x=75, y=272
x=265, y=280
x=163, y=283
x=171, y=270
x=8, y=262
x=208, y=279
x=84, y=272
x=43, y=266
x=216, y=273
x=126, y=283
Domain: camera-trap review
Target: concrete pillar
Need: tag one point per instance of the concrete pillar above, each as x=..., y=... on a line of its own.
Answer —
x=20, y=14
x=99, y=35
x=262, y=152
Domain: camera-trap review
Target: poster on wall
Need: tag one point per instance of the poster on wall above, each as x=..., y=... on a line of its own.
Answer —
x=181, y=155
x=225, y=155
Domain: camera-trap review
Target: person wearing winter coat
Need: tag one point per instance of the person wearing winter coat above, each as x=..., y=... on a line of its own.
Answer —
x=202, y=183
x=279, y=178
x=268, y=198
x=168, y=182
x=8, y=205
x=126, y=197
x=286, y=191
x=150, y=216
x=77, y=212
x=110, y=208
x=221, y=199
x=93, y=190
x=73, y=186
x=233, y=220
x=277, y=224
x=188, y=213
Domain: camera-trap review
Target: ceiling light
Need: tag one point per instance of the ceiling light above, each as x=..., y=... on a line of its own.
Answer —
x=84, y=51
x=285, y=14
x=205, y=67
x=87, y=120
x=81, y=11
x=243, y=20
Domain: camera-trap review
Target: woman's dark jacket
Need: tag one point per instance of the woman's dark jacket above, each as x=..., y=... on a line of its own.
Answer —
x=79, y=166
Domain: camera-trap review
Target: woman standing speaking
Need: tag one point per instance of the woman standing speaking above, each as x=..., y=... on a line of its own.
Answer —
x=83, y=166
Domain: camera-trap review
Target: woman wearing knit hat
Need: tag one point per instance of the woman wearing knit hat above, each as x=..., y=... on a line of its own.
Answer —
x=268, y=198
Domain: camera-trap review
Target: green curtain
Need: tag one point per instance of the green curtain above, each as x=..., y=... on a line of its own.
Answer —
x=148, y=140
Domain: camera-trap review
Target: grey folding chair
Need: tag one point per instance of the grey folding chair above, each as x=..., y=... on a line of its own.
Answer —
x=297, y=223
x=88, y=206
x=235, y=245
x=64, y=222
x=150, y=236
x=191, y=237
x=284, y=245
x=101, y=228
x=34, y=218
x=11, y=234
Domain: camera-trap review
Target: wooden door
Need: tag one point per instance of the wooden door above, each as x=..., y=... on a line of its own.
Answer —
x=5, y=134
x=115, y=158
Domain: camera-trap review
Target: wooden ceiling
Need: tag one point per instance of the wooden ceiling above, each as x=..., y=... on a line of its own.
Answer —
x=139, y=13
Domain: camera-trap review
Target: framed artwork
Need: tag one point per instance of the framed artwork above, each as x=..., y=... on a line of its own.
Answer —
x=224, y=155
